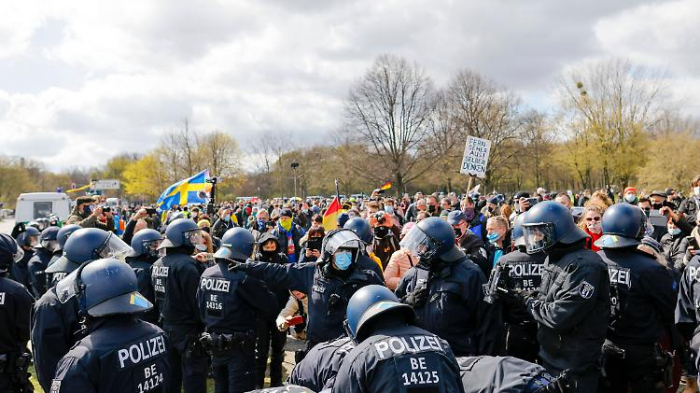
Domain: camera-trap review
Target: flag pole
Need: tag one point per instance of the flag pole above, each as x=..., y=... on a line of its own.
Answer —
x=337, y=192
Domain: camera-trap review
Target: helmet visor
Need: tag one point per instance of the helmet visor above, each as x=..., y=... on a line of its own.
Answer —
x=538, y=237
x=193, y=237
x=150, y=247
x=420, y=243
x=345, y=239
x=114, y=247
x=18, y=255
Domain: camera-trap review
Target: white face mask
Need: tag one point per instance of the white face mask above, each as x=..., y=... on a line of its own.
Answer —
x=697, y=190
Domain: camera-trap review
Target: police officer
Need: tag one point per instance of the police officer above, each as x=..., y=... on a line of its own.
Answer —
x=62, y=236
x=687, y=317
x=27, y=240
x=56, y=325
x=121, y=353
x=318, y=369
x=572, y=305
x=392, y=354
x=40, y=261
x=145, y=252
x=229, y=303
x=643, y=301
x=367, y=260
x=15, y=305
x=328, y=283
x=175, y=279
x=445, y=289
x=507, y=374
x=524, y=272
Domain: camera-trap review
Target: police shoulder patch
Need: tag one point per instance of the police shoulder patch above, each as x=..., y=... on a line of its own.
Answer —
x=586, y=290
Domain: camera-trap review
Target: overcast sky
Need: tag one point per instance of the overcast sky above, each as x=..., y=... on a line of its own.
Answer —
x=81, y=81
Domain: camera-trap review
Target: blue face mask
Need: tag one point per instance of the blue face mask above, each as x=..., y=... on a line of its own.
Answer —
x=674, y=231
x=493, y=236
x=343, y=260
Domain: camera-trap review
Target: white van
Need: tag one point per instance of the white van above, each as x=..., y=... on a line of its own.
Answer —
x=34, y=205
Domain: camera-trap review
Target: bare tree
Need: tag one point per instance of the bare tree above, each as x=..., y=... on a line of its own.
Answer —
x=388, y=110
x=221, y=154
x=485, y=110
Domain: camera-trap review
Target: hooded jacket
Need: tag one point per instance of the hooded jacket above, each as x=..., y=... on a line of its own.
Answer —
x=278, y=257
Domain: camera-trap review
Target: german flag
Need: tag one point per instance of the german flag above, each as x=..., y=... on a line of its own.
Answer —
x=385, y=186
x=330, y=219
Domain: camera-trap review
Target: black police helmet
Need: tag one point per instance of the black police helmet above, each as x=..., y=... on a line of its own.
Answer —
x=361, y=228
x=548, y=223
x=10, y=252
x=110, y=287
x=432, y=238
x=624, y=225
x=144, y=241
x=64, y=233
x=88, y=244
x=179, y=233
x=367, y=304
x=340, y=238
x=236, y=245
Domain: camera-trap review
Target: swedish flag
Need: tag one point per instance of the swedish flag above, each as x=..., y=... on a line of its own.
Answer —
x=186, y=191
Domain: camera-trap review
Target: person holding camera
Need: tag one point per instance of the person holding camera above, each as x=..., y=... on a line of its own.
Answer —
x=88, y=215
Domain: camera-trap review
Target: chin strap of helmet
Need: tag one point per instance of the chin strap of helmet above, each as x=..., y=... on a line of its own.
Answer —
x=79, y=288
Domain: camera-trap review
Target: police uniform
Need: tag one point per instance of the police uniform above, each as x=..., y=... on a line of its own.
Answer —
x=55, y=328
x=15, y=305
x=142, y=268
x=502, y=374
x=37, y=265
x=229, y=303
x=520, y=330
x=643, y=300
x=57, y=270
x=571, y=308
x=19, y=271
x=453, y=307
x=328, y=294
x=687, y=315
x=321, y=364
x=175, y=279
x=402, y=359
x=122, y=354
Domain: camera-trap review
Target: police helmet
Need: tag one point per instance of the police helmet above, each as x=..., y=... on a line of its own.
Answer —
x=432, y=238
x=48, y=238
x=361, y=228
x=624, y=225
x=340, y=239
x=109, y=287
x=236, y=245
x=145, y=242
x=517, y=235
x=181, y=232
x=64, y=233
x=548, y=223
x=25, y=238
x=10, y=252
x=369, y=302
x=88, y=244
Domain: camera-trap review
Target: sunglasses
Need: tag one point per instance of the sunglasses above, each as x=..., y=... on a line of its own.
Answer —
x=592, y=218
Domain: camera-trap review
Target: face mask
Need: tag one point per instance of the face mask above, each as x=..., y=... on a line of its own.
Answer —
x=647, y=212
x=630, y=198
x=657, y=206
x=674, y=231
x=343, y=260
x=381, y=232
x=431, y=209
x=469, y=213
x=286, y=224
x=201, y=247
x=490, y=209
x=88, y=209
x=458, y=232
x=227, y=218
x=493, y=236
x=389, y=209
x=697, y=190
x=261, y=224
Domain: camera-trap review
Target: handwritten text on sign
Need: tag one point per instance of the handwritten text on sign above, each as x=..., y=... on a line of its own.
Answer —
x=476, y=156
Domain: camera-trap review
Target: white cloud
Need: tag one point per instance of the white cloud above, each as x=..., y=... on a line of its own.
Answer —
x=81, y=81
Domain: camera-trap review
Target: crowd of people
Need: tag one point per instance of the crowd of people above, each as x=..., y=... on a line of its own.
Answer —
x=532, y=292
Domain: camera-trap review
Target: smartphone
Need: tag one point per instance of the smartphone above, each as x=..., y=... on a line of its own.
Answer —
x=692, y=242
x=295, y=320
x=532, y=201
x=314, y=243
